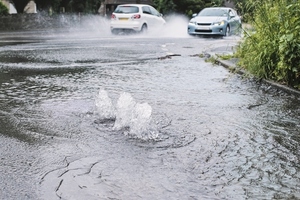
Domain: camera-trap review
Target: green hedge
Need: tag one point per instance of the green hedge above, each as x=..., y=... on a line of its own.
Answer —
x=272, y=50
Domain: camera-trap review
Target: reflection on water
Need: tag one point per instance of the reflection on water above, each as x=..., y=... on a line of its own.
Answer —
x=168, y=129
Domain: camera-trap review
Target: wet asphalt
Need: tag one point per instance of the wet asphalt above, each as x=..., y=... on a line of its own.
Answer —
x=212, y=134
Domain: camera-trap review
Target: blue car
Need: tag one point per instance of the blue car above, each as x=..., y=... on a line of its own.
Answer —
x=219, y=21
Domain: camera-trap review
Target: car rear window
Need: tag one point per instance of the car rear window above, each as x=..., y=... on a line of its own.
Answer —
x=127, y=9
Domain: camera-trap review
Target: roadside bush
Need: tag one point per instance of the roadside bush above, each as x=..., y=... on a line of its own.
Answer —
x=272, y=51
x=3, y=9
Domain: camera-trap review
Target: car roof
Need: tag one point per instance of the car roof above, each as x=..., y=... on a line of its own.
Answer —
x=225, y=8
x=139, y=5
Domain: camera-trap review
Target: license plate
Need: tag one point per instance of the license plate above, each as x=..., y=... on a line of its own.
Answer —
x=123, y=19
x=203, y=27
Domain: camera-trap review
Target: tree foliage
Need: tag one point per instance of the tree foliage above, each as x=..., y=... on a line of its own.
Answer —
x=186, y=7
x=3, y=9
x=246, y=8
x=165, y=6
x=91, y=6
x=85, y=6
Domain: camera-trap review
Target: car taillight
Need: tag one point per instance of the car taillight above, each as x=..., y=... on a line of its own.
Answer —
x=113, y=16
x=137, y=16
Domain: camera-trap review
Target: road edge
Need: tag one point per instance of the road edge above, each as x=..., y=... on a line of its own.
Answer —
x=231, y=64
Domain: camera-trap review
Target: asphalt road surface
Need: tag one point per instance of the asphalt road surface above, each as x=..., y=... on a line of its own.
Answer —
x=90, y=115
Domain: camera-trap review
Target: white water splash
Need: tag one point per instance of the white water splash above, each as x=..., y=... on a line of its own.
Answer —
x=104, y=105
x=132, y=118
x=140, y=122
x=124, y=111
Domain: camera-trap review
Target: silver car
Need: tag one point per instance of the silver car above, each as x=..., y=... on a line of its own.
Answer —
x=220, y=21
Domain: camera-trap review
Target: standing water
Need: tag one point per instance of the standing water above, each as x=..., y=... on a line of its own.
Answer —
x=89, y=115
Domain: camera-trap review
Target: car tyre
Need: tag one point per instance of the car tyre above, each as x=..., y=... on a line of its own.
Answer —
x=227, y=31
x=115, y=32
x=193, y=35
x=144, y=28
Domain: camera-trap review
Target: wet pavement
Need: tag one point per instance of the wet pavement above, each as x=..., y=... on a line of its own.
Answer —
x=94, y=116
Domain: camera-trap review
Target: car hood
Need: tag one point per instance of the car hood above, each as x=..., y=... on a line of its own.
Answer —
x=203, y=19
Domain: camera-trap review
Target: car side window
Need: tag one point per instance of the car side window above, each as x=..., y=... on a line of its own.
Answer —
x=146, y=10
x=231, y=14
x=154, y=12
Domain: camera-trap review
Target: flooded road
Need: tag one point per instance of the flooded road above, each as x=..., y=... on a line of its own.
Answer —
x=96, y=116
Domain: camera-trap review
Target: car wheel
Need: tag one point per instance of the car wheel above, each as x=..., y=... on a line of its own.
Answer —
x=144, y=28
x=227, y=31
x=114, y=32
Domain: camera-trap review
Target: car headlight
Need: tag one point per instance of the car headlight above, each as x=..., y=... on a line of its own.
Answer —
x=193, y=22
x=219, y=23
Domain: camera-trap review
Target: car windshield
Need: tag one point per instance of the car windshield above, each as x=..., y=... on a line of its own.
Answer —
x=213, y=12
x=127, y=9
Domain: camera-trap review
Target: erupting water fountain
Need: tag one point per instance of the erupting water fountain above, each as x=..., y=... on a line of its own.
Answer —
x=134, y=119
